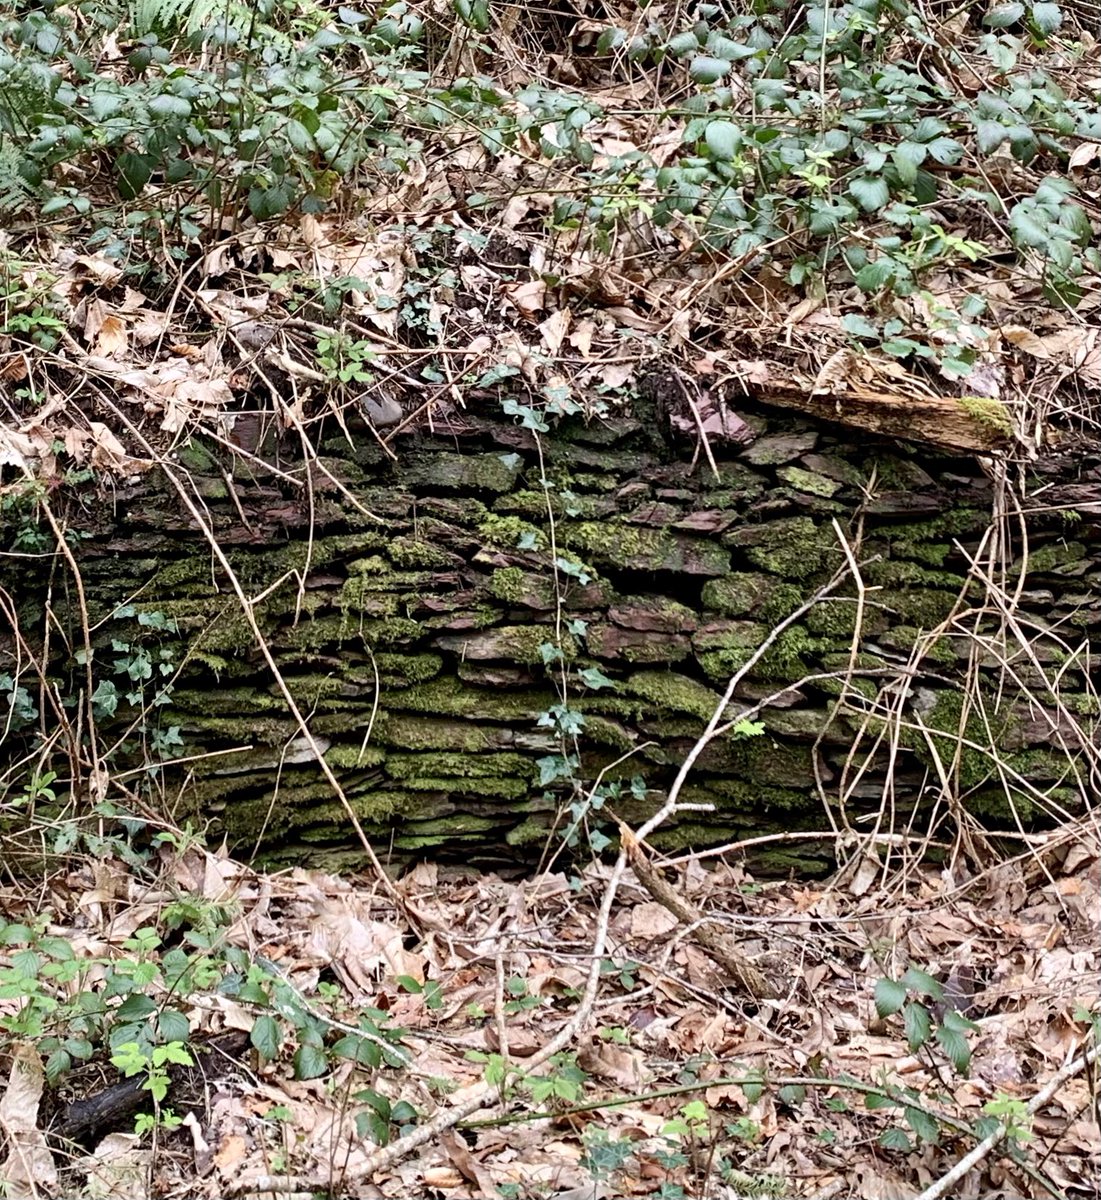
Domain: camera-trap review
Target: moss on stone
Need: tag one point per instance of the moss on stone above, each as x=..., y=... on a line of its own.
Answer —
x=758, y=796
x=1085, y=704
x=723, y=653
x=737, y=594
x=976, y=765
x=462, y=510
x=463, y=473
x=172, y=579
x=605, y=732
x=1054, y=555
x=508, y=532
x=400, y=670
x=508, y=643
x=898, y=572
x=508, y=584
x=446, y=828
x=348, y=757
x=809, y=481
x=527, y=502
x=332, y=631
x=930, y=541
x=482, y=786
x=196, y=458
x=268, y=730
x=415, y=552
x=835, y=618
x=922, y=606
x=529, y=832
x=361, y=596
x=449, y=696
x=420, y=733
x=629, y=547
x=593, y=483
x=792, y=547
x=501, y=764
x=668, y=692
x=904, y=638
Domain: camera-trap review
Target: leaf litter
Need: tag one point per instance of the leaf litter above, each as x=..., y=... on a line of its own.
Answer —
x=573, y=311
x=779, y=1080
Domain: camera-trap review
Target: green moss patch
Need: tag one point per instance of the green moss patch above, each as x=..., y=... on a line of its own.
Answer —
x=793, y=547
x=668, y=692
x=628, y=547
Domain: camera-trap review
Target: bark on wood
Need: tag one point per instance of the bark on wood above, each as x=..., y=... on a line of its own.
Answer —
x=87, y=1120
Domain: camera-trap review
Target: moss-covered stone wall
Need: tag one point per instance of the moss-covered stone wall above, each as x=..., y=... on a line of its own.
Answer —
x=413, y=637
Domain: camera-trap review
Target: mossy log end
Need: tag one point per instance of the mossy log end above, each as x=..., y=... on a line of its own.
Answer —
x=411, y=627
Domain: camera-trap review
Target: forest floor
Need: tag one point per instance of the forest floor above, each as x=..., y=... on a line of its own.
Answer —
x=679, y=1084
x=301, y=213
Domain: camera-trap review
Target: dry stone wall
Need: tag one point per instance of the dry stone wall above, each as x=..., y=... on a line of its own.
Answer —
x=413, y=636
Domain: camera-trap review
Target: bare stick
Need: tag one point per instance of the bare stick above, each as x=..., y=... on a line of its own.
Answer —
x=709, y=733
x=935, y=1190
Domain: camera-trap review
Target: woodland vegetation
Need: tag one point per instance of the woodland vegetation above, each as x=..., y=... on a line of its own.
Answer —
x=550, y=573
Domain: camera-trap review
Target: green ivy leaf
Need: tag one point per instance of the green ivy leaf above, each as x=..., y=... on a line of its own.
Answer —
x=360, y=1049
x=594, y=677
x=266, y=1037
x=870, y=192
x=945, y=150
x=371, y=1125
x=299, y=137
x=928, y=128
x=1025, y=230
x=1046, y=18
x=611, y=39
x=954, y=1044
x=859, y=326
x=907, y=157
x=1004, y=15
x=310, y=1062
x=890, y=996
x=875, y=276
x=923, y=1125
x=133, y=172
x=989, y=135
x=919, y=1024
x=923, y=983
x=166, y=106
x=723, y=138
x=896, y=1139
x=707, y=70
x=173, y=1026
x=57, y=1066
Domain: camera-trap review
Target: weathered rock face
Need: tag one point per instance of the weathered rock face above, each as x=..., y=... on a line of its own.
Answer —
x=415, y=637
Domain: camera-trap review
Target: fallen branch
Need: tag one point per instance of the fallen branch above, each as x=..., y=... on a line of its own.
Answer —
x=935, y=1190
x=716, y=941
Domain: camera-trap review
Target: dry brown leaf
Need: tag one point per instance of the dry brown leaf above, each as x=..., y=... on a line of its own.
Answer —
x=528, y=297
x=554, y=328
x=118, y=1169
x=651, y=920
x=622, y=1065
x=616, y=375
x=1083, y=154
x=29, y=1164
x=230, y=1153
x=1024, y=339
x=111, y=340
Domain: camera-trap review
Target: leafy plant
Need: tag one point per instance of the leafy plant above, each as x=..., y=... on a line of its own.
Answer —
x=908, y=996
